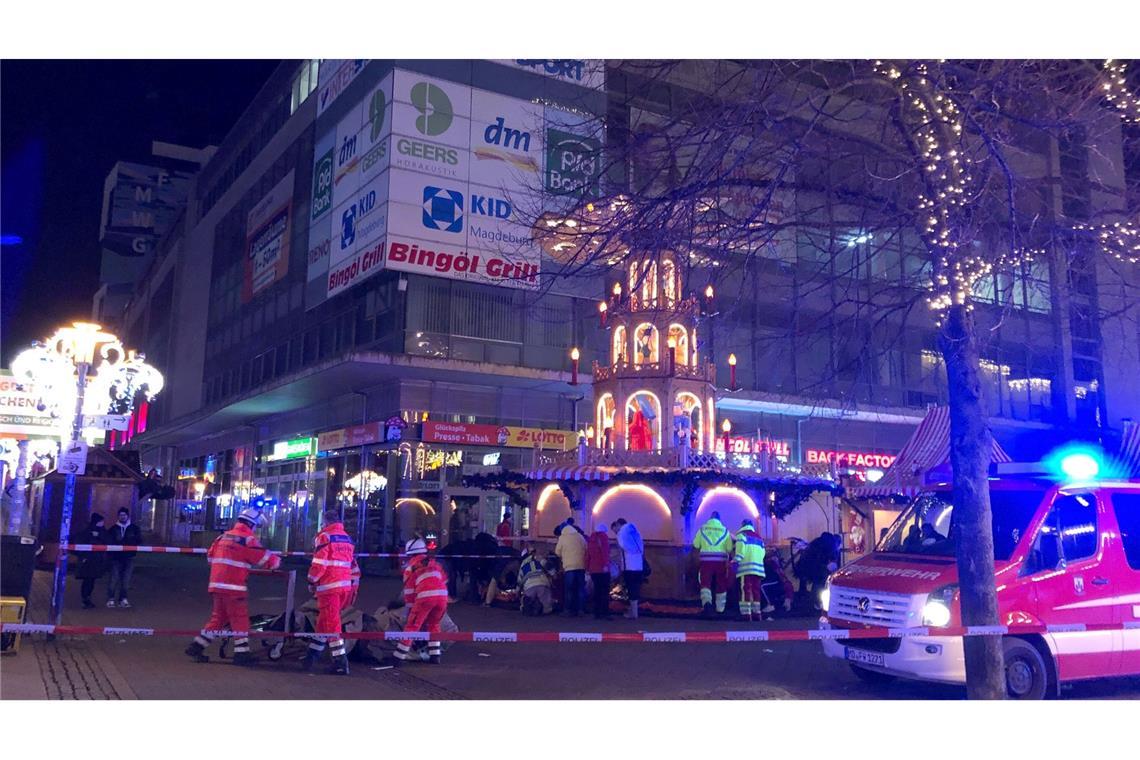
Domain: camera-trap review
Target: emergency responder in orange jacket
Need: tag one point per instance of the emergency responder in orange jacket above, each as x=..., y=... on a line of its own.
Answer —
x=334, y=578
x=232, y=555
x=428, y=583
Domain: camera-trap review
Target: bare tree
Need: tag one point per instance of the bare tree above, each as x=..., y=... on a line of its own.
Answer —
x=746, y=165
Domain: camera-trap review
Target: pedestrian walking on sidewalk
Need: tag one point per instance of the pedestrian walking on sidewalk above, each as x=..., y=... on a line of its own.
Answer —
x=232, y=555
x=91, y=565
x=334, y=578
x=633, y=561
x=122, y=533
x=425, y=584
x=571, y=551
x=598, y=565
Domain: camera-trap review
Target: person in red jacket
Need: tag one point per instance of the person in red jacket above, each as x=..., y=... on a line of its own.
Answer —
x=334, y=577
x=428, y=584
x=232, y=555
x=598, y=566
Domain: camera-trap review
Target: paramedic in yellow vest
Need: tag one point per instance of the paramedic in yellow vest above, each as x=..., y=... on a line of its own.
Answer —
x=714, y=543
x=749, y=555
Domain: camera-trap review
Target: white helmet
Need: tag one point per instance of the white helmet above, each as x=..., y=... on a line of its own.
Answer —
x=415, y=546
x=253, y=516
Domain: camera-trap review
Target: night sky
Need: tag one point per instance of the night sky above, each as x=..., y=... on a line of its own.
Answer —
x=63, y=125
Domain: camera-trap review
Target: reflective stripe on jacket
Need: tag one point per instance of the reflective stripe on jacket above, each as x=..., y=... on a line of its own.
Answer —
x=426, y=579
x=713, y=540
x=749, y=553
x=334, y=561
x=531, y=574
x=232, y=555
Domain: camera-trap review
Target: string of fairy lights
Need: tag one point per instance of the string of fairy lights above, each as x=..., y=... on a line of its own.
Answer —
x=1116, y=91
x=1121, y=240
x=950, y=181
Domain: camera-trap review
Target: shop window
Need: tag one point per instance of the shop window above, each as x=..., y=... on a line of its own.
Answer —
x=1127, y=509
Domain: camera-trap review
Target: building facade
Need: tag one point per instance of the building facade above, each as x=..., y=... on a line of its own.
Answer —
x=350, y=312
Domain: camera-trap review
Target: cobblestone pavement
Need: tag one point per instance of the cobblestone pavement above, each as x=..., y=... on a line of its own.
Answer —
x=170, y=593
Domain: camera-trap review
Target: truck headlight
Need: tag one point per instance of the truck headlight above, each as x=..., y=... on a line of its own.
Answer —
x=936, y=612
x=825, y=596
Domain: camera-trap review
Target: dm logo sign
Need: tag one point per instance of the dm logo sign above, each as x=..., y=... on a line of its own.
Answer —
x=436, y=113
x=443, y=209
x=323, y=184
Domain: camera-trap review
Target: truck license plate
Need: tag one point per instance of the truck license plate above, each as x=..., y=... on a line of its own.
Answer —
x=863, y=656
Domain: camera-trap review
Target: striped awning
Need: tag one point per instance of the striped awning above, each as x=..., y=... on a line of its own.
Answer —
x=927, y=449
x=582, y=472
x=1130, y=448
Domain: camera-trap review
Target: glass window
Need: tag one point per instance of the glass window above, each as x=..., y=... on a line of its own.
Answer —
x=927, y=525
x=1072, y=520
x=1127, y=509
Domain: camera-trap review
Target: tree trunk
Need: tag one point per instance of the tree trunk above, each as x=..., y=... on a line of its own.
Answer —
x=970, y=447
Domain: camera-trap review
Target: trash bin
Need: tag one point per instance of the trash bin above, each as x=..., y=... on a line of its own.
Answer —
x=17, y=563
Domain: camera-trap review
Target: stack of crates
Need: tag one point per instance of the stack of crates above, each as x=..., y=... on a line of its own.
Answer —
x=11, y=611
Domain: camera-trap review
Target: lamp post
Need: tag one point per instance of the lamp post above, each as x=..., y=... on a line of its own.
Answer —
x=708, y=299
x=617, y=293
x=602, y=312
x=575, y=355
x=726, y=428
x=82, y=370
x=732, y=372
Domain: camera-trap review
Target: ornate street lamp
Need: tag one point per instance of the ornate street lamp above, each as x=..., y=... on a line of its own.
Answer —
x=85, y=378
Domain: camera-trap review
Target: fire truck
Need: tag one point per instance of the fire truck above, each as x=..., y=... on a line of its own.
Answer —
x=1067, y=556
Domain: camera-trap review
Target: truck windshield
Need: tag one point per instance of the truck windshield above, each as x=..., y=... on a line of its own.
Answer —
x=927, y=525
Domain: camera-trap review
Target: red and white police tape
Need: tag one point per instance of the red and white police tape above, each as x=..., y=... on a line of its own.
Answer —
x=197, y=550
x=567, y=637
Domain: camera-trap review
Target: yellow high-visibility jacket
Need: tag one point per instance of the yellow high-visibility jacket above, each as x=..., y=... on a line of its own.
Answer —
x=713, y=541
x=749, y=552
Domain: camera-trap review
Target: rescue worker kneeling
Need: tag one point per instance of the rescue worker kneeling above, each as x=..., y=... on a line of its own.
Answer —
x=334, y=578
x=749, y=552
x=534, y=585
x=232, y=555
x=425, y=586
x=714, y=543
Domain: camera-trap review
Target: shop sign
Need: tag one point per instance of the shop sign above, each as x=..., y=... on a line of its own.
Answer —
x=357, y=435
x=20, y=415
x=292, y=449
x=857, y=460
x=394, y=428
x=749, y=445
x=498, y=435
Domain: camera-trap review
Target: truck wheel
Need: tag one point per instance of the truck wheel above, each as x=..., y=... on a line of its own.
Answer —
x=872, y=677
x=1026, y=674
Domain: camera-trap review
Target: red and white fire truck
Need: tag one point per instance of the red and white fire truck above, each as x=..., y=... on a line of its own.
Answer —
x=1065, y=554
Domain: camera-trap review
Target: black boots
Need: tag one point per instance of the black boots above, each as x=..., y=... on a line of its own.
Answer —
x=245, y=658
x=340, y=665
x=195, y=652
x=310, y=659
